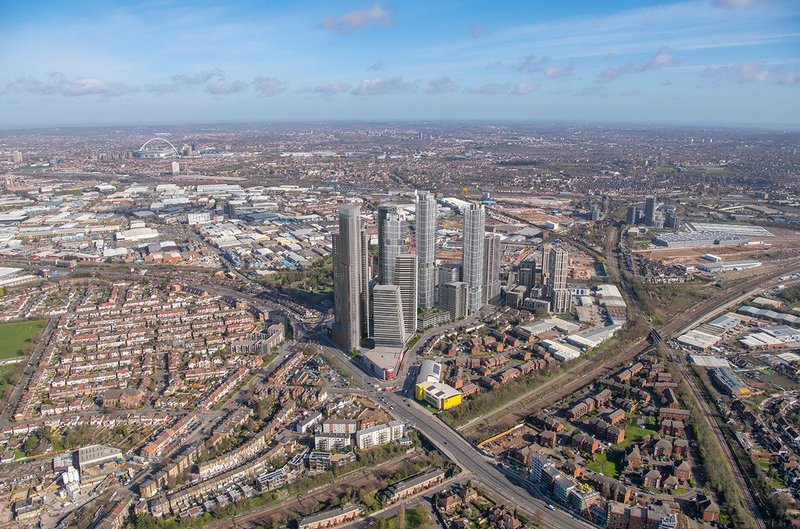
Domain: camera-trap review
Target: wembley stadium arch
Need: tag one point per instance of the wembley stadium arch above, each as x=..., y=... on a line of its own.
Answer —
x=156, y=148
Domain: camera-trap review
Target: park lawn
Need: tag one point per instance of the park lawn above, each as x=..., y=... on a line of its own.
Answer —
x=416, y=518
x=14, y=337
x=603, y=465
x=634, y=435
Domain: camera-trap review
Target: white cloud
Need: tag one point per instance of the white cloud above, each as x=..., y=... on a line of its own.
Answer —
x=525, y=88
x=198, y=78
x=757, y=72
x=327, y=89
x=268, y=86
x=376, y=66
x=213, y=80
x=532, y=63
x=223, y=87
x=502, y=89
x=376, y=87
x=358, y=19
x=441, y=85
x=553, y=72
x=56, y=83
x=734, y=4
x=659, y=61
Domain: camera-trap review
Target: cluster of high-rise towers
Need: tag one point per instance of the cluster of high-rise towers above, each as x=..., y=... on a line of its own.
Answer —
x=406, y=282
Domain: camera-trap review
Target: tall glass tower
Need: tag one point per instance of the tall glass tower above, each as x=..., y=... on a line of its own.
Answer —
x=390, y=242
x=350, y=280
x=474, y=221
x=426, y=247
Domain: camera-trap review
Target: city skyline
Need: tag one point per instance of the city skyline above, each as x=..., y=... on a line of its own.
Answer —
x=714, y=61
x=193, y=333
x=371, y=263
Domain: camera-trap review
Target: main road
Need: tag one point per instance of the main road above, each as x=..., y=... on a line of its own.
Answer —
x=511, y=491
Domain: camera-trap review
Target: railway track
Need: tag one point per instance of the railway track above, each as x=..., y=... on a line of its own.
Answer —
x=562, y=386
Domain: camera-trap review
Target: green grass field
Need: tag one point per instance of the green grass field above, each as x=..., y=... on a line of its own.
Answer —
x=16, y=339
x=634, y=435
x=416, y=518
x=603, y=465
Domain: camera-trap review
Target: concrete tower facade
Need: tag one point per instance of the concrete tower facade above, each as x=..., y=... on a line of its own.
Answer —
x=390, y=242
x=631, y=215
x=558, y=267
x=388, y=327
x=405, y=277
x=491, y=268
x=426, y=247
x=454, y=299
x=650, y=211
x=366, y=275
x=474, y=220
x=350, y=309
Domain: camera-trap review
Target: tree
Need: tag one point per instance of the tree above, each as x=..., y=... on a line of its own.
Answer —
x=30, y=444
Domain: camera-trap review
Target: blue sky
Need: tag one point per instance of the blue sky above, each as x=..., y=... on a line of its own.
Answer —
x=698, y=61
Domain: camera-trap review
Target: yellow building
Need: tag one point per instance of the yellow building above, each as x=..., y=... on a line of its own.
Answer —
x=441, y=395
x=419, y=390
x=430, y=390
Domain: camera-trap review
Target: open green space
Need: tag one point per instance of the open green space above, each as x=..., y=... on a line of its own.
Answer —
x=17, y=338
x=662, y=301
x=312, y=284
x=416, y=518
x=606, y=463
x=9, y=376
x=634, y=435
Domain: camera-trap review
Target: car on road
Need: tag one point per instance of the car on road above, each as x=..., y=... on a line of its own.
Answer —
x=551, y=507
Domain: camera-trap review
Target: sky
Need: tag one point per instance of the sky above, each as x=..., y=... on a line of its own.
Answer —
x=152, y=62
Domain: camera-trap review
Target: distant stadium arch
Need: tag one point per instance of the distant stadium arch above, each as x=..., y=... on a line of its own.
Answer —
x=144, y=152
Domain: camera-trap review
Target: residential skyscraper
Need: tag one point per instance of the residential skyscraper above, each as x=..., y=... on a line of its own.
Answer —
x=631, y=215
x=527, y=274
x=474, y=219
x=405, y=277
x=390, y=242
x=544, y=269
x=491, y=268
x=447, y=273
x=650, y=211
x=426, y=247
x=366, y=275
x=388, y=328
x=230, y=210
x=450, y=272
x=672, y=221
x=453, y=298
x=558, y=267
x=351, y=308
